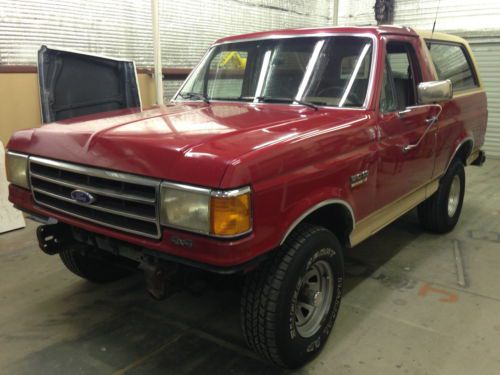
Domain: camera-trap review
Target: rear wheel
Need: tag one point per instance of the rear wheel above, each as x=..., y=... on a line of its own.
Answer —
x=96, y=269
x=290, y=302
x=440, y=212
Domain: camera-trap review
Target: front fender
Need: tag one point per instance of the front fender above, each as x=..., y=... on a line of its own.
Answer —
x=305, y=207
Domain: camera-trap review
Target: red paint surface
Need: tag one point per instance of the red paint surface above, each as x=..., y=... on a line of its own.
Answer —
x=292, y=156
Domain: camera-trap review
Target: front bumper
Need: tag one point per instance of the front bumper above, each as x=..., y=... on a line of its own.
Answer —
x=222, y=256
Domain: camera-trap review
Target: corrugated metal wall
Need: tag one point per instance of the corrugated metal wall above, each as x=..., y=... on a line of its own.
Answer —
x=453, y=14
x=170, y=88
x=123, y=28
x=487, y=53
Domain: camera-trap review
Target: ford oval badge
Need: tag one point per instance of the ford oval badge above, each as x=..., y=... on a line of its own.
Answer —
x=82, y=197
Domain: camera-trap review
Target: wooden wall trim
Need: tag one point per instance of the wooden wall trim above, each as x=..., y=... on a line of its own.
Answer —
x=168, y=73
x=17, y=69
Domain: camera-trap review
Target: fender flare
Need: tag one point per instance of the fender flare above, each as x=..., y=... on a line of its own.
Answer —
x=461, y=143
x=316, y=207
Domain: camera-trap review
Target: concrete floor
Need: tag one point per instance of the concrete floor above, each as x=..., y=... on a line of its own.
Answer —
x=402, y=313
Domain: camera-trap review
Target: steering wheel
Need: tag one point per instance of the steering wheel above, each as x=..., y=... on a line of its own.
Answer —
x=336, y=91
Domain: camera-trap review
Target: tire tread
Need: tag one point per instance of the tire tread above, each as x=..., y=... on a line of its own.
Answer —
x=261, y=292
x=432, y=213
x=92, y=269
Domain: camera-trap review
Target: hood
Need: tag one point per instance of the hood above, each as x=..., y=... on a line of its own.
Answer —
x=75, y=84
x=190, y=143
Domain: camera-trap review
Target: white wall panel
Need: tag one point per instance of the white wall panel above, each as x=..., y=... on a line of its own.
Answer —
x=452, y=15
x=487, y=53
x=123, y=28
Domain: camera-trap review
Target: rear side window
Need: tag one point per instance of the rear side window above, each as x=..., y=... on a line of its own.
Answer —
x=453, y=62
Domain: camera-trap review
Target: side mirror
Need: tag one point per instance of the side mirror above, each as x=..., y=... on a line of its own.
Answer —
x=434, y=91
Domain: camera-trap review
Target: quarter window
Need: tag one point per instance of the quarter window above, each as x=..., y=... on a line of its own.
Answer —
x=452, y=62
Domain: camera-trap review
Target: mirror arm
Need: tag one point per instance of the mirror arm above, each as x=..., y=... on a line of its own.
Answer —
x=430, y=121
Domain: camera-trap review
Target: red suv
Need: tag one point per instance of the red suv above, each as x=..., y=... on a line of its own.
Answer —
x=281, y=151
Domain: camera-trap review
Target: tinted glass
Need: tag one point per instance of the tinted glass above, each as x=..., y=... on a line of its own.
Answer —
x=451, y=63
x=388, y=97
x=226, y=73
x=342, y=74
x=287, y=68
x=331, y=71
x=402, y=67
x=400, y=64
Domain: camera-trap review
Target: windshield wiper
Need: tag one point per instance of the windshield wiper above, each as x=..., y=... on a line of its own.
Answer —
x=194, y=95
x=286, y=100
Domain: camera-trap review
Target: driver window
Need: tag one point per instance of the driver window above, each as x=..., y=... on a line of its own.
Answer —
x=403, y=73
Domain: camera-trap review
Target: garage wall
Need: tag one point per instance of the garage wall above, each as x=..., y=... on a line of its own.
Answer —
x=486, y=50
x=452, y=15
x=123, y=29
x=20, y=102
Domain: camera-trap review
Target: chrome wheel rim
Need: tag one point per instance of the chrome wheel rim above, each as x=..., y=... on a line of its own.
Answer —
x=454, y=196
x=314, y=298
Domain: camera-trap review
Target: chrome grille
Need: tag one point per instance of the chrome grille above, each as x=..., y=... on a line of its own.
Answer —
x=122, y=201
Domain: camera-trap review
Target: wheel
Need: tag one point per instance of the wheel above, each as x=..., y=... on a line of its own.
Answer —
x=440, y=212
x=95, y=269
x=290, y=302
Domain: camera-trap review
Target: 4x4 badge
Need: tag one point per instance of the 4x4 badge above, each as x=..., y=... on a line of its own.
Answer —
x=359, y=178
x=181, y=242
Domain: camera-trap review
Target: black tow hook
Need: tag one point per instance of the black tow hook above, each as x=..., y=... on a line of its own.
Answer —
x=51, y=238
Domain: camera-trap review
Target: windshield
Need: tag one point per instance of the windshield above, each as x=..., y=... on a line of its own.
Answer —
x=328, y=71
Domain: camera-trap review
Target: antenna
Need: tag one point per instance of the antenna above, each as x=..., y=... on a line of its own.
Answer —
x=435, y=19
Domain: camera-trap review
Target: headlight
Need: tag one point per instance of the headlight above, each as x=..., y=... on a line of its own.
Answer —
x=211, y=212
x=17, y=169
x=185, y=207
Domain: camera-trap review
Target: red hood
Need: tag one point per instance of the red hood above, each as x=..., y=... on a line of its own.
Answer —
x=187, y=143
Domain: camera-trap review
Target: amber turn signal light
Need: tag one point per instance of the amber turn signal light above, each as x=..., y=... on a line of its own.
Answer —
x=230, y=215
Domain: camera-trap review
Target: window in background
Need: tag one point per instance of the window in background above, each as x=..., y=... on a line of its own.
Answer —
x=452, y=62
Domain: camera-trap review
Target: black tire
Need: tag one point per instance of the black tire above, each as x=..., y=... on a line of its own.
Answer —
x=433, y=213
x=95, y=269
x=270, y=299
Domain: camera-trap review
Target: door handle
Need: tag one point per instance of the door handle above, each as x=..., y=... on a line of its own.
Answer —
x=403, y=112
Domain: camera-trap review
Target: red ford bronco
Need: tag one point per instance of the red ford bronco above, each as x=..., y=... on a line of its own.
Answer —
x=280, y=152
